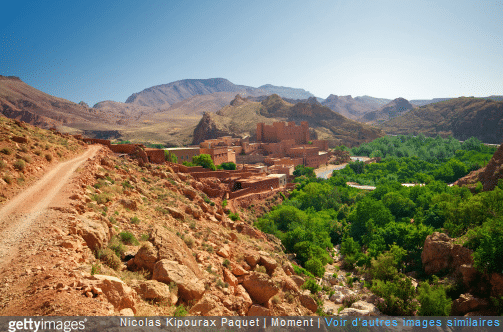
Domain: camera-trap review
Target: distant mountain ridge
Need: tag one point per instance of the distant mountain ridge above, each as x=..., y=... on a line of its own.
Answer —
x=389, y=111
x=462, y=118
x=286, y=92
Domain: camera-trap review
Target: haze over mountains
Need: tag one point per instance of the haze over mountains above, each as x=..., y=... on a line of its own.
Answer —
x=169, y=113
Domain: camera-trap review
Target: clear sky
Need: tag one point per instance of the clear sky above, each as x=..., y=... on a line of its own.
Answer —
x=107, y=50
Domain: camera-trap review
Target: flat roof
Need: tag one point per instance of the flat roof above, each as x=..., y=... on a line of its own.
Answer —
x=276, y=175
x=186, y=148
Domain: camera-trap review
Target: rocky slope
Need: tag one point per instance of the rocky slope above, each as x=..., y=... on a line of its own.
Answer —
x=241, y=118
x=460, y=117
x=488, y=175
x=20, y=101
x=391, y=110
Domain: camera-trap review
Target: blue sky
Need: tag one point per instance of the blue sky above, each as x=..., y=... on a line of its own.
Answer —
x=94, y=51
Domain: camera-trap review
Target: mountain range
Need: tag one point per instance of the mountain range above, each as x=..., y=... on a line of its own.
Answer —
x=169, y=113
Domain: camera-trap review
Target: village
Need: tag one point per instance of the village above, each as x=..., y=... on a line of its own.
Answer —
x=261, y=166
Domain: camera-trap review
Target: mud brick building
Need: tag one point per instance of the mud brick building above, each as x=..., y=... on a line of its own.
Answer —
x=281, y=131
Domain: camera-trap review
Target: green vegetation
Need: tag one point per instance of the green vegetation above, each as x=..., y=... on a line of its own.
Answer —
x=382, y=232
x=170, y=157
x=227, y=166
x=203, y=160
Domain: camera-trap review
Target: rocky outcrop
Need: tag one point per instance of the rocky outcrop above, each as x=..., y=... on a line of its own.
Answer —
x=207, y=128
x=440, y=254
x=155, y=291
x=95, y=232
x=171, y=247
x=190, y=287
x=361, y=308
x=260, y=287
x=488, y=175
x=120, y=295
x=467, y=303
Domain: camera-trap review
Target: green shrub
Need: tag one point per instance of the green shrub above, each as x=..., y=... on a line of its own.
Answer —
x=226, y=263
x=397, y=295
x=224, y=203
x=19, y=165
x=180, y=311
x=7, y=178
x=487, y=241
x=6, y=151
x=109, y=257
x=135, y=220
x=312, y=285
x=234, y=216
x=48, y=157
x=116, y=246
x=433, y=300
x=128, y=238
x=315, y=266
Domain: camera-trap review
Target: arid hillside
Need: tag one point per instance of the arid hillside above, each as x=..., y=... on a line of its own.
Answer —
x=20, y=101
x=240, y=118
x=460, y=117
x=119, y=238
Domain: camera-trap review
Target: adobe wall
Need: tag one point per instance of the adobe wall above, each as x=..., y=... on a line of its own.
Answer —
x=155, y=156
x=123, y=148
x=249, y=159
x=258, y=187
x=184, y=154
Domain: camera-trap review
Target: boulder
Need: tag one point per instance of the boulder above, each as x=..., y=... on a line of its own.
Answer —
x=95, y=232
x=210, y=305
x=189, y=193
x=237, y=269
x=129, y=204
x=258, y=310
x=252, y=258
x=156, y=291
x=269, y=263
x=175, y=213
x=298, y=280
x=145, y=258
x=467, y=303
x=244, y=300
x=260, y=287
x=230, y=278
x=171, y=247
x=469, y=274
x=441, y=254
x=308, y=302
x=436, y=255
x=19, y=139
x=190, y=287
x=224, y=251
x=120, y=295
x=365, y=309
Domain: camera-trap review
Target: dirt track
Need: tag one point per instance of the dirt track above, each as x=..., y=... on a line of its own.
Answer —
x=20, y=216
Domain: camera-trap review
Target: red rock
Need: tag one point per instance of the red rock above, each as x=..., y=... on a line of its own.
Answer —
x=260, y=287
x=190, y=287
x=258, y=310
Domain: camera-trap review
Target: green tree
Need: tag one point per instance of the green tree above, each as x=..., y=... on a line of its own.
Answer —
x=433, y=300
x=170, y=157
x=205, y=161
x=228, y=166
x=304, y=170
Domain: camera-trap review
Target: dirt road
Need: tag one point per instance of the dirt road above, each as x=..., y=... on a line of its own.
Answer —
x=20, y=216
